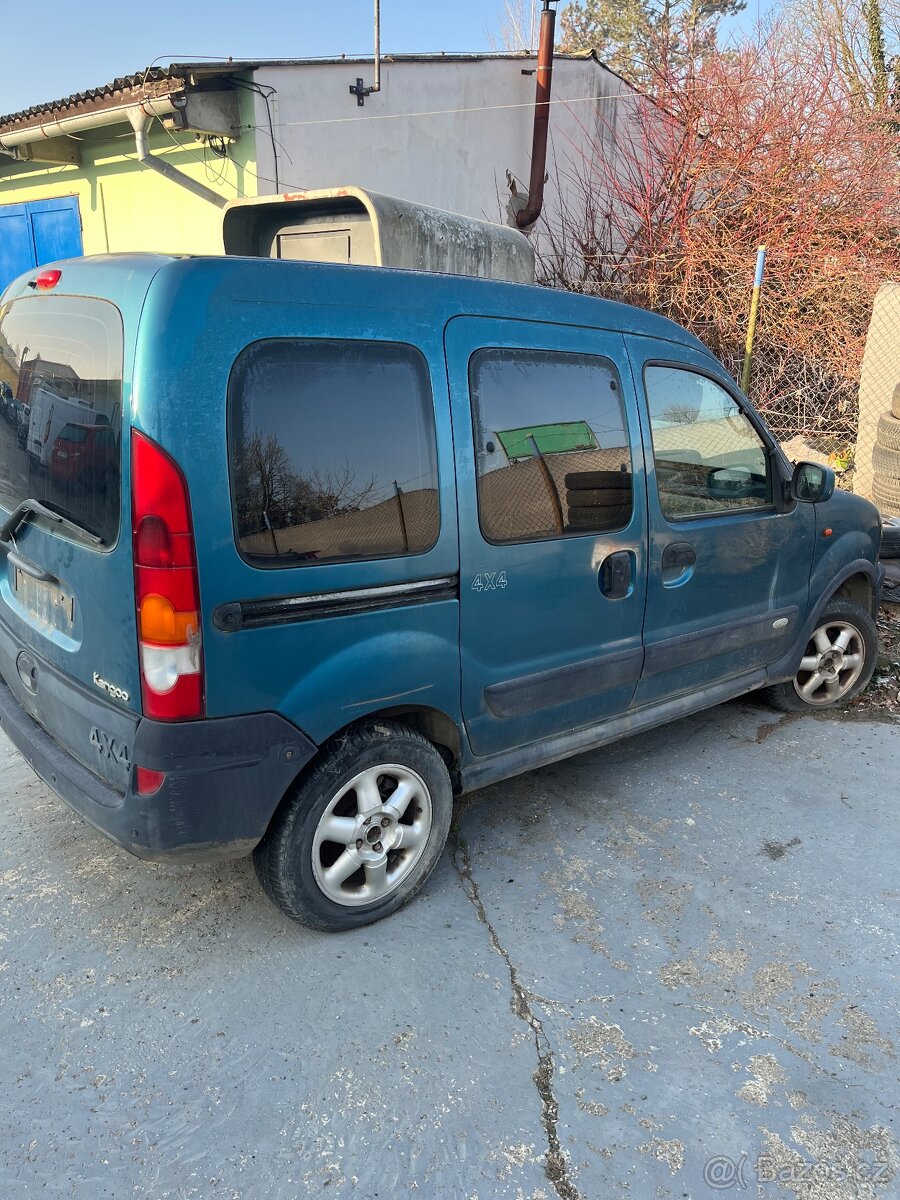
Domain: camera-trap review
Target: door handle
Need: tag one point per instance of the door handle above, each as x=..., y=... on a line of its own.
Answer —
x=617, y=575
x=678, y=561
x=678, y=554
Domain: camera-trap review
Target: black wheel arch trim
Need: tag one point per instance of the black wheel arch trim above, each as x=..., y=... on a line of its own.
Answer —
x=787, y=666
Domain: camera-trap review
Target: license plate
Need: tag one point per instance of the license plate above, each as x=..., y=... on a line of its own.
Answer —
x=46, y=603
x=62, y=454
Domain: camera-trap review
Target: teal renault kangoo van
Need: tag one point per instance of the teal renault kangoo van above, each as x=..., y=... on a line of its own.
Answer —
x=369, y=539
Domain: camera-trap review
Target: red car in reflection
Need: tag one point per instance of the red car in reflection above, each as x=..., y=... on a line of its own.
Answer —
x=83, y=456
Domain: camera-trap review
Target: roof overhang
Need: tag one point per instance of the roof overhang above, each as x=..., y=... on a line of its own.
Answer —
x=188, y=97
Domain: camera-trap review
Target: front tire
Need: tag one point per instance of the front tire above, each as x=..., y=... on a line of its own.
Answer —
x=361, y=833
x=837, y=664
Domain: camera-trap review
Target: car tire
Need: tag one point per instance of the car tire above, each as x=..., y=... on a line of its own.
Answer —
x=888, y=433
x=599, y=497
x=895, y=401
x=886, y=495
x=886, y=464
x=839, y=684
x=599, y=520
x=337, y=822
x=890, y=540
x=579, y=481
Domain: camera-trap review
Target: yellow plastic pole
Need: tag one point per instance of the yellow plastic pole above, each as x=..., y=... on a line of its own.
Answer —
x=751, y=324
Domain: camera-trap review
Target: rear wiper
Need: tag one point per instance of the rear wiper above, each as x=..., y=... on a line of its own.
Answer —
x=32, y=507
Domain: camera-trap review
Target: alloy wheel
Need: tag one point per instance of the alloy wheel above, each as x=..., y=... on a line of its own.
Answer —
x=833, y=662
x=372, y=834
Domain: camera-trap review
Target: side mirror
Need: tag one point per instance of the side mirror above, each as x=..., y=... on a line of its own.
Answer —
x=812, y=482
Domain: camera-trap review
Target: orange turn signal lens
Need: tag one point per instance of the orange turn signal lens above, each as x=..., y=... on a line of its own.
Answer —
x=163, y=626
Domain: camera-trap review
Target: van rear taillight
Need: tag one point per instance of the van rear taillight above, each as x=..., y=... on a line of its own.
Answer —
x=166, y=589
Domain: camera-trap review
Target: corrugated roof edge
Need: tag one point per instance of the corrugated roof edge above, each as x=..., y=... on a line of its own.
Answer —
x=182, y=76
x=152, y=81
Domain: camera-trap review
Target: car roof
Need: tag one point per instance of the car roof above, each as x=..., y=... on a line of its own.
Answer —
x=125, y=279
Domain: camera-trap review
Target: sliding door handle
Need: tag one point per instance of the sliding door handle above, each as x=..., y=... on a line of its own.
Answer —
x=617, y=575
x=678, y=562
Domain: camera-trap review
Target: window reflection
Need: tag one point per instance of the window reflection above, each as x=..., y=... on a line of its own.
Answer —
x=333, y=451
x=551, y=445
x=61, y=408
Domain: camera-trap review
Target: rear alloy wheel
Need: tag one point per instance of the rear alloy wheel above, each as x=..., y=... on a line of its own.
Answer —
x=362, y=831
x=372, y=835
x=837, y=664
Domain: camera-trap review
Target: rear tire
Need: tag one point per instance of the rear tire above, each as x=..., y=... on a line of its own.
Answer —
x=338, y=854
x=844, y=646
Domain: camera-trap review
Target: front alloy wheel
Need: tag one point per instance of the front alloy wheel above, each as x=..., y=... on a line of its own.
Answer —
x=837, y=663
x=832, y=664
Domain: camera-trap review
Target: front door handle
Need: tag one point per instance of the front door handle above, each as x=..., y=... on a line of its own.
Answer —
x=678, y=561
x=617, y=575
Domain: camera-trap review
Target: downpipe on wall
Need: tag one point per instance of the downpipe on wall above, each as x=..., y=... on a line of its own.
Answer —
x=141, y=124
x=532, y=210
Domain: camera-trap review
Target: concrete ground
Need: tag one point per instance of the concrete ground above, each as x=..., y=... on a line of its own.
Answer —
x=660, y=970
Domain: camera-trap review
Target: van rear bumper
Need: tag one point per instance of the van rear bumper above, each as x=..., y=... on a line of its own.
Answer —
x=223, y=780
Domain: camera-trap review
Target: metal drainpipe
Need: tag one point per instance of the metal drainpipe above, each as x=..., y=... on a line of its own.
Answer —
x=532, y=210
x=141, y=123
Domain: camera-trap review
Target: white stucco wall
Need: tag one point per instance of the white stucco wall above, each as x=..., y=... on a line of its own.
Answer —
x=406, y=143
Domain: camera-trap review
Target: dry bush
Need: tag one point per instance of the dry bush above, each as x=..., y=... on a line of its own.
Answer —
x=751, y=147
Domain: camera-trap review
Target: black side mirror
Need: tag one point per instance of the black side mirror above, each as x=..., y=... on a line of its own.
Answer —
x=812, y=482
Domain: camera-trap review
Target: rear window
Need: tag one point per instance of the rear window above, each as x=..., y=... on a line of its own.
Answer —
x=74, y=433
x=60, y=379
x=333, y=453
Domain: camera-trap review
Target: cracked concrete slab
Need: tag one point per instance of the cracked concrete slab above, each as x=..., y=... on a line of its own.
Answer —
x=665, y=969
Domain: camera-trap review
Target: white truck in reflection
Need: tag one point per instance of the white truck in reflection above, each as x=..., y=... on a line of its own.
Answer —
x=51, y=411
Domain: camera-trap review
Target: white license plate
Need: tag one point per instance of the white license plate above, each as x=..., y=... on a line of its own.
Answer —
x=46, y=603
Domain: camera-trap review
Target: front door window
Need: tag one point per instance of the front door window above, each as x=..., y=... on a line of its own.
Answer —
x=709, y=458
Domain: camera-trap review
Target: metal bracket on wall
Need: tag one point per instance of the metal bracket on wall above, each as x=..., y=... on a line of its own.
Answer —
x=359, y=89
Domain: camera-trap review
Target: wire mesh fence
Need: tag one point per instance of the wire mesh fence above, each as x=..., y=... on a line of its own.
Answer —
x=877, y=444
x=846, y=414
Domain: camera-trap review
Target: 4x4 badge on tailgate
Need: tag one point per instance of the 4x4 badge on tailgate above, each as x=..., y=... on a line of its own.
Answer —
x=117, y=693
x=108, y=747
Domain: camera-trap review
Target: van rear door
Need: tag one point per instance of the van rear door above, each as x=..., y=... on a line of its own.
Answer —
x=67, y=625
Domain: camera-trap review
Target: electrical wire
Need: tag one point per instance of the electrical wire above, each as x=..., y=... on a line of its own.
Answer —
x=266, y=92
x=446, y=112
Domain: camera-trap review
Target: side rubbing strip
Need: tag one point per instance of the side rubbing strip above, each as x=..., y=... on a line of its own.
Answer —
x=776, y=625
x=285, y=610
x=515, y=697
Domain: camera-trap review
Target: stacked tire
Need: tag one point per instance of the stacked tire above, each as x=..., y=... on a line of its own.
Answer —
x=886, y=460
x=598, y=500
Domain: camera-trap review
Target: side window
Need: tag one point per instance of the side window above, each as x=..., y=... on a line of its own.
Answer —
x=551, y=445
x=708, y=456
x=333, y=453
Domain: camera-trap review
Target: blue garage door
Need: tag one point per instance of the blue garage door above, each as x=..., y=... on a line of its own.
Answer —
x=39, y=232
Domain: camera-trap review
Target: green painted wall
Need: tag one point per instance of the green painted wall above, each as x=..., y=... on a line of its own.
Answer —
x=125, y=206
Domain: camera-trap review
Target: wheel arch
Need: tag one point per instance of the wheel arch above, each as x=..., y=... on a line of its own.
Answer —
x=860, y=578
x=859, y=589
x=433, y=724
